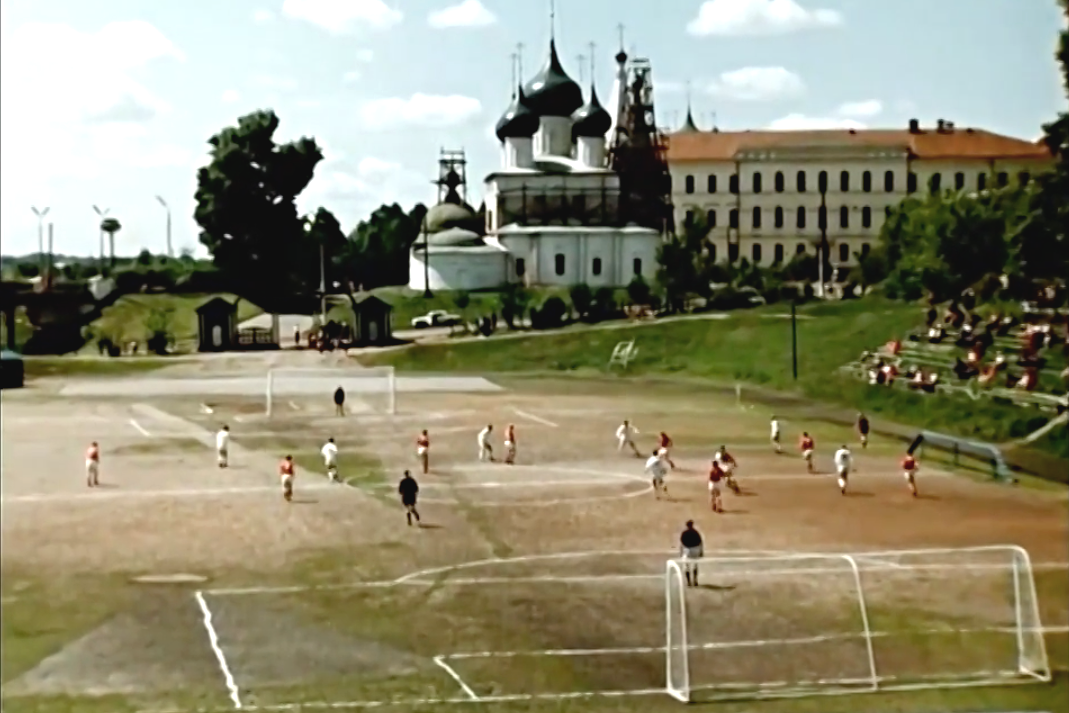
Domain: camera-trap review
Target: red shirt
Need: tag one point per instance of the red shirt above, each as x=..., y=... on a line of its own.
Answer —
x=908, y=463
x=715, y=474
x=285, y=467
x=666, y=442
x=806, y=444
x=510, y=434
x=423, y=441
x=93, y=454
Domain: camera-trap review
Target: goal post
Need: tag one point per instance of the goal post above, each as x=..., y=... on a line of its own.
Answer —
x=786, y=625
x=370, y=389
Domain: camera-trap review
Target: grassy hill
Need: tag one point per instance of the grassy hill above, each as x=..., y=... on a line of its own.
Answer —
x=752, y=347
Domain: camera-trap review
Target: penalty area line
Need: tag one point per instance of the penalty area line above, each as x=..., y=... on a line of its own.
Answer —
x=140, y=429
x=536, y=419
x=220, y=657
x=440, y=662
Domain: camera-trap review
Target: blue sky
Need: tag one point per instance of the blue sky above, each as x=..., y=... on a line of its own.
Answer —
x=110, y=102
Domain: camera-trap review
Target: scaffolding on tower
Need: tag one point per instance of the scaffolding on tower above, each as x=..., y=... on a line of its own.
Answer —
x=639, y=155
x=452, y=177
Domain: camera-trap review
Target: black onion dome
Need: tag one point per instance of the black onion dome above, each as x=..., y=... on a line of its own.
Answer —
x=552, y=92
x=621, y=57
x=591, y=120
x=518, y=121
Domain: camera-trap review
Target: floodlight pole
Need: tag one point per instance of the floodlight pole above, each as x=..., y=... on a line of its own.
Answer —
x=170, y=248
x=40, y=213
x=101, y=213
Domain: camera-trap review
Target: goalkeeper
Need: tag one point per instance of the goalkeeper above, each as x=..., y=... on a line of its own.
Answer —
x=339, y=401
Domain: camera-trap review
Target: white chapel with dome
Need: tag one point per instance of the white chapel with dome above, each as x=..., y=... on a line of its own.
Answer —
x=556, y=211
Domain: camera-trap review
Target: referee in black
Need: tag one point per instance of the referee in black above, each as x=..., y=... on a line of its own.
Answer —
x=408, y=489
x=690, y=548
x=339, y=401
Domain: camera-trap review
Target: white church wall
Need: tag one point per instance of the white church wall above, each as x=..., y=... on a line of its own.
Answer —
x=460, y=269
x=554, y=137
x=598, y=257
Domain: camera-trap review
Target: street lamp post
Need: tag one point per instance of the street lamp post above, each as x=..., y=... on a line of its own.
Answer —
x=40, y=213
x=170, y=248
x=101, y=214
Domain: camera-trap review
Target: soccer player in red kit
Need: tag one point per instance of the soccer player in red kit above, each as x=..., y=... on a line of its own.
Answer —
x=664, y=442
x=423, y=450
x=716, y=474
x=909, y=471
x=806, y=446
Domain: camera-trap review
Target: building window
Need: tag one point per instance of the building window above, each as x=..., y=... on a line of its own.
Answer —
x=688, y=219
x=755, y=252
x=757, y=217
x=595, y=266
x=1024, y=178
x=981, y=181
x=521, y=267
x=757, y=183
x=578, y=206
x=801, y=181
x=779, y=216
x=935, y=183
x=844, y=181
x=799, y=249
x=911, y=182
x=801, y=217
x=733, y=252
x=712, y=251
x=844, y=217
x=779, y=181
x=822, y=181
x=1003, y=179
x=866, y=217
x=865, y=249
x=688, y=184
x=844, y=252
x=710, y=218
x=822, y=217
x=558, y=263
x=777, y=253
x=866, y=181
x=733, y=218
x=959, y=181
x=636, y=265
x=710, y=183
x=889, y=181
x=733, y=183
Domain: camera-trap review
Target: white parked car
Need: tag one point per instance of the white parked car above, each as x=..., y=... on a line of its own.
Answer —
x=436, y=318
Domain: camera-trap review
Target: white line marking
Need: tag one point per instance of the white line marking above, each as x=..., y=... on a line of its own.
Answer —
x=536, y=419
x=440, y=661
x=213, y=641
x=132, y=494
x=294, y=405
x=517, y=484
x=140, y=428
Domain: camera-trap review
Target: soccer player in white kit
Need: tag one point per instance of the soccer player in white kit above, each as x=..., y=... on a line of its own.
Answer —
x=222, y=446
x=330, y=459
x=656, y=469
x=486, y=451
x=774, y=435
x=843, y=462
x=625, y=438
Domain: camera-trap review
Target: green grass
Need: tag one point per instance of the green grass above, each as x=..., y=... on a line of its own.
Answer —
x=128, y=319
x=752, y=347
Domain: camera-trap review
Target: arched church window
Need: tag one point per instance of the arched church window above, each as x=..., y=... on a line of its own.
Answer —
x=558, y=263
x=595, y=266
x=521, y=267
x=637, y=265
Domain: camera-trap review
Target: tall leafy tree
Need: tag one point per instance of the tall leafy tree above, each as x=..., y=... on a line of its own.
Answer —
x=378, y=248
x=246, y=209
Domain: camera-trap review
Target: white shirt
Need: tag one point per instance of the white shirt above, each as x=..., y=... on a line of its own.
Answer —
x=222, y=440
x=775, y=428
x=843, y=459
x=655, y=466
x=330, y=452
x=484, y=437
x=626, y=431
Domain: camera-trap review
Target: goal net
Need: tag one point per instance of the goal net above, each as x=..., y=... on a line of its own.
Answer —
x=367, y=390
x=798, y=625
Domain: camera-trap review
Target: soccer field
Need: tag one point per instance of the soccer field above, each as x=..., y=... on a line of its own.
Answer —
x=540, y=586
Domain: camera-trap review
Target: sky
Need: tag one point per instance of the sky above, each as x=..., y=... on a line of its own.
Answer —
x=110, y=103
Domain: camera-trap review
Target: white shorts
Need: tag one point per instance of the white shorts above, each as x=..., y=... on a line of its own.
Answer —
x=775, y=437
x=331, y=464
x=692, y=553
x=625, y=441
x=728, y=468
x=222, y=451
x=662, y=452
x=864, y=438
x=908, y=474
x=287, y=481
x=92, y=467
x=807, y=455
x=714, y=488
x=657, y=477
x=843, y=472
x=509, y=445
x=421, y=451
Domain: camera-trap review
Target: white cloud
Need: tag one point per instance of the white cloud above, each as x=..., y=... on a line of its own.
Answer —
x=469, y=13
x=758, y=17
x=861, y=110
x=351, y=76
x=230, y=96
x=262, y=15
x=340, y=17
x=758, y=84
x=428, y=110
x=309, y=103
x=670, y=87
x=278, y=83
x=363, y=56
x=351, y=190
x=801, y=122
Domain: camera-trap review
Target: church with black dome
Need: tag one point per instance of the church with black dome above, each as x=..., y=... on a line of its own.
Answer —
x=555, y=212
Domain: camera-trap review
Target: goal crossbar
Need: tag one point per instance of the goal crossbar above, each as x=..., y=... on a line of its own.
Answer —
x=380, y=381
x=862, y=570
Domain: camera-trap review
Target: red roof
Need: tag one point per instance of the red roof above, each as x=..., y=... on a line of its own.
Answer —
x=958, y=143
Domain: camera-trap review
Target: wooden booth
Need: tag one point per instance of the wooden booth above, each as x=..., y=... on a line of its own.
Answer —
x=217, y=325
x=372, y=320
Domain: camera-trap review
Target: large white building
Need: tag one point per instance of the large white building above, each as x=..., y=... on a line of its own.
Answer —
x=761, y=191
x=554, y=216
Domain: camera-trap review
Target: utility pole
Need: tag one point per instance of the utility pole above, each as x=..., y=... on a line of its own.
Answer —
x=102, y=214
x=170, y=247
x=40, y=213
